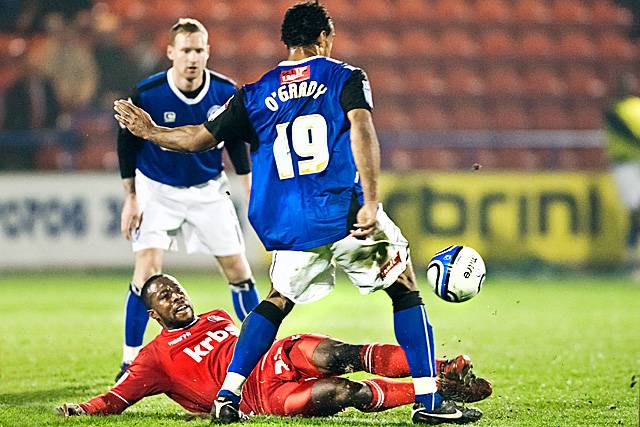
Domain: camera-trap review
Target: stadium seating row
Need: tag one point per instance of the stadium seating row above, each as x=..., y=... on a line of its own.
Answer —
x=497, y=11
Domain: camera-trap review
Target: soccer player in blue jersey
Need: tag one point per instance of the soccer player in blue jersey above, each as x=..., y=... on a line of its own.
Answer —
x=169, y=193
x=314, y=201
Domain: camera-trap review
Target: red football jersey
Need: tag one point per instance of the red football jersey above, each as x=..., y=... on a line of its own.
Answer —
x=188, y=365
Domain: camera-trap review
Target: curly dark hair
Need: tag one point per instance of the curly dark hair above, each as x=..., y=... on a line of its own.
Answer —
x=303, y=23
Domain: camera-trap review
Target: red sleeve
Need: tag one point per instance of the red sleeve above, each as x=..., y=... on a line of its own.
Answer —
x=145, y=377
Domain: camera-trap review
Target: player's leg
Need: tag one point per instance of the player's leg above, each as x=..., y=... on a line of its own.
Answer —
x=383, y=262
x=296, y=276
x=147, y=263
x=223, y=239
x=258, y=332
x=318, y=356
x=243, y=288
x=328, y=396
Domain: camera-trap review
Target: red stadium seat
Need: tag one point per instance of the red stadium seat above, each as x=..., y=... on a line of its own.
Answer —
x=576, y=44
x=346, y=46
x=417, y=43
x=463, y=81
x=413, y=10
x=570, y=11
x=543, y=82
x=470, y=115
x=504, y=80
x=258, y=42
x=551, y=116
x=453, y=11
x=587, y=115
x=425, y=80
x=607, y=12
x=249, y=11
x=536, y=44
x=373, y=10
x=496, y=43
x=613, y=45
x=531, y=11
x=387, y=80
x=457, y=42
x=379, y=43
x=510, y=116
x=53, y=156
x=429, y=116
x=492, y=11
x=390, y=116
x=97, y=155
x=584, y=81
x=223, y=43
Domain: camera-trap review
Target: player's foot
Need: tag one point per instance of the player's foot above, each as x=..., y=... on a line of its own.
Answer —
x=226, y=411
x=123, y=368
x=457, y=367
x=448, y=412
x=457, y=382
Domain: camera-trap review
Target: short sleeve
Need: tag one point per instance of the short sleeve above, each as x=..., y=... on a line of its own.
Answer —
x=231, y=122
x=356, y=92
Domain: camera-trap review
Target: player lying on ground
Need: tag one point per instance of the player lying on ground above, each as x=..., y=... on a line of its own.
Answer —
x=299, y=375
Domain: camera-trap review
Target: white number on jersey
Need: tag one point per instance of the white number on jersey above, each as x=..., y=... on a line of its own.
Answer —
x=309, y=139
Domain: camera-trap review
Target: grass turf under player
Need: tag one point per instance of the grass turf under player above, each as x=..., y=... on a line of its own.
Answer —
x=298, y=376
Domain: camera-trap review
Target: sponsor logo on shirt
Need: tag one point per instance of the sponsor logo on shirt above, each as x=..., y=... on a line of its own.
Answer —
x=200, y=351
x=169, y=116
x=180, y=338
x=294, y=75
x=388, y=266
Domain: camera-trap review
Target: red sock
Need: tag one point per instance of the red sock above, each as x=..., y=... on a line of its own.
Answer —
x=389, y=394
x=387, y=360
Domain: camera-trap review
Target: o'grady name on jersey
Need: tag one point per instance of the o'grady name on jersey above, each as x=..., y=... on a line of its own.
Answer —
x=295, y=83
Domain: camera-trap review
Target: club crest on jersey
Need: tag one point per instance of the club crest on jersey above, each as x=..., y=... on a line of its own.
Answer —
x=294, y=75
x=169, y=116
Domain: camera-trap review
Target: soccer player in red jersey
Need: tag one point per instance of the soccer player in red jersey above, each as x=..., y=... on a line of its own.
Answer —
x=299, y=375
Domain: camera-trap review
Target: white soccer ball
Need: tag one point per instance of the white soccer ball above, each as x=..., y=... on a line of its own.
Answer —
x=456, y=273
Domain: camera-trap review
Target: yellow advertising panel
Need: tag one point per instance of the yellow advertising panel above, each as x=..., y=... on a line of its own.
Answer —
x=561, y=218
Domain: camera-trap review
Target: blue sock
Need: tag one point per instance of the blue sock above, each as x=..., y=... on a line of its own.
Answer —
x=135, y=320
x=415, y=336
x=245, y=297
x=258, y=332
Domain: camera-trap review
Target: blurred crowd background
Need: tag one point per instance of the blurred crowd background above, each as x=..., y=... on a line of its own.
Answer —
x=520, y=87
x=437, y=67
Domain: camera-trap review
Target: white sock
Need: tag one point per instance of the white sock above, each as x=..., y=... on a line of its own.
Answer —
x=129, y=353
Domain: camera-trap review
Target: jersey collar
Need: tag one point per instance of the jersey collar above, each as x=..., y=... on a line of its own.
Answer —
x=180, y=95
x=186, y=327
x=300, y=61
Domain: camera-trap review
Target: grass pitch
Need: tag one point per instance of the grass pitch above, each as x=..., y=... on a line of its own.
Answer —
x=559, y=351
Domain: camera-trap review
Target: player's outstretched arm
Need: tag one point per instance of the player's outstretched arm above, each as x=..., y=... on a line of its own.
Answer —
x=366, y=153
x=183, y=138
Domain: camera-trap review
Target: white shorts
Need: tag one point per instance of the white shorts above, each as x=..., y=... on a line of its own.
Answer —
x=371, y=264
x=203, y=214
x=627, y=178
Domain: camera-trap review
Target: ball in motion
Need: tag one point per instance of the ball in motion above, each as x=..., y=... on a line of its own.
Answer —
x=456, y=273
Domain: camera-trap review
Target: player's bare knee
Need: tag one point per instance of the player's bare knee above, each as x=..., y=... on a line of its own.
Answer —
x=283, y=303
x=337, y=357
x=235, y=268
x=147, y=263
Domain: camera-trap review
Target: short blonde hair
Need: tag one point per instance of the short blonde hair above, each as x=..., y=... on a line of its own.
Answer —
x=186, y=25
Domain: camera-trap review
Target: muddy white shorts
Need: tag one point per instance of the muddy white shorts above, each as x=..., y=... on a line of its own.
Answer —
x=371, y=264
x=627, y=179
x=203, y=215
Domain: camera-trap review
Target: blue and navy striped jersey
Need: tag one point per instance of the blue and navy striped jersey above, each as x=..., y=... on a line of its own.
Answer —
x=169, y=107
x=305, y=187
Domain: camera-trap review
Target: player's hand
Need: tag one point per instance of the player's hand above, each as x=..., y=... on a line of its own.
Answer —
x=138, y=121
x=366, y=220
x=131, y=217
x=70, y=410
